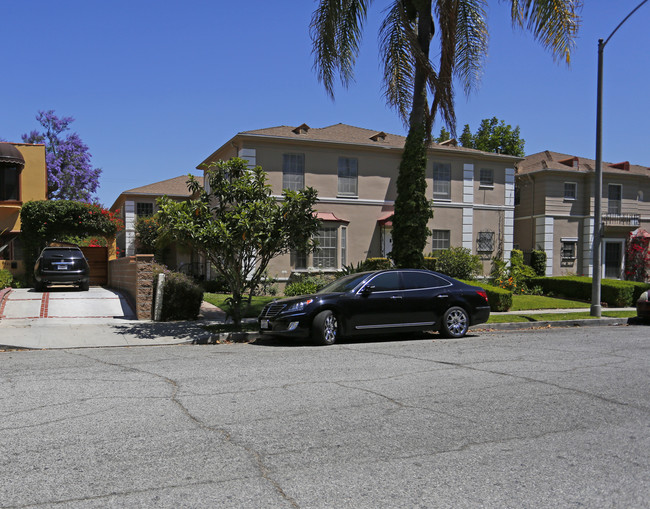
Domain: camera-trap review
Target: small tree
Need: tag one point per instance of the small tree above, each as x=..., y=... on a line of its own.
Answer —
x=239, y=226
x=70, y=175
x=496, y=136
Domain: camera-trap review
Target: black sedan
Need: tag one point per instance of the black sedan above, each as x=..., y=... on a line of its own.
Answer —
x=379, y=302
x=66, y=265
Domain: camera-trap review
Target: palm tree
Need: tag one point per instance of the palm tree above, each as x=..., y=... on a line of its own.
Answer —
x=416, y=87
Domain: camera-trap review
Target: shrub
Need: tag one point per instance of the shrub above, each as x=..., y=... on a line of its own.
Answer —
x=458, y=262
x=307, y=284
x=6, y=279
x=498, y=298
x=182, y=297
x=538, y=261
x=614, y=293
x=376, y=264
x=430, y=263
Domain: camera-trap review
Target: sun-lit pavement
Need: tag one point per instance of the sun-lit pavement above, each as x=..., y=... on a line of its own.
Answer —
x=64, y=317
x=64, y=302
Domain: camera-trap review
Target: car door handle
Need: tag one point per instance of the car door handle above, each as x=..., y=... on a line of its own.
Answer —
x=396, y=297
x=443, y=296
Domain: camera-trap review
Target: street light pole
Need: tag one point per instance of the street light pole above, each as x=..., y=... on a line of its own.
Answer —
x=598, y=184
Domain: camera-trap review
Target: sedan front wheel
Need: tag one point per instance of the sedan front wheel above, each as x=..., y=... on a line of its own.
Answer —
x=325, y=328
x=455, y=323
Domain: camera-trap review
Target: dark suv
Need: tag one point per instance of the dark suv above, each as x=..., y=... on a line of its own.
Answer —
x=61, y=265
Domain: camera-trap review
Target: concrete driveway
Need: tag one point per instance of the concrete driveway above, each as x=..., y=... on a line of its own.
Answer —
x=64, y=302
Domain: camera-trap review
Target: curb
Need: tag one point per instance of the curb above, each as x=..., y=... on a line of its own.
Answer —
x=594, y=322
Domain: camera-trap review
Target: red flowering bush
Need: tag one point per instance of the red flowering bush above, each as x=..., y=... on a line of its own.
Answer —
x=637, y=257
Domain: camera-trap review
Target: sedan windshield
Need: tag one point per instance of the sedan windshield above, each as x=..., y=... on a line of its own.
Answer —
x=344, y=284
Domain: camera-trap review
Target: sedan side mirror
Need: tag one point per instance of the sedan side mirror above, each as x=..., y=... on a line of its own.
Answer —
x=367, y=290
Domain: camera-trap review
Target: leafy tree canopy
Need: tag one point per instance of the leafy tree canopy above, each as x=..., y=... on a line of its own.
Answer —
x=70, y=175
x=238, y=225
x=496, y=136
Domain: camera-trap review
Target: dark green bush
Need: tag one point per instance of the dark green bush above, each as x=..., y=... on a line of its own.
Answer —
x=430, y=263
x=6, y=278
x=499, y=299
x=613, y=292
x=458, y=262
x=538, y=262
x=376, y=264
x=182, y=297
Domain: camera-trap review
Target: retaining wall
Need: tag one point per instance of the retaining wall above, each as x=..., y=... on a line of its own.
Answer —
x=133, y=275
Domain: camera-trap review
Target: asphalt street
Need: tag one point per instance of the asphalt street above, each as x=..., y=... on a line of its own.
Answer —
x=550, y=418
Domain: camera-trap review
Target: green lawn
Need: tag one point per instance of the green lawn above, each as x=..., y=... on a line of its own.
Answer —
x=528, y=302
x=219, y=300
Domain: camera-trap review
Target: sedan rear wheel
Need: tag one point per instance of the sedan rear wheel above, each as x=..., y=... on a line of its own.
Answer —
x=325, y=328
x=455, y=323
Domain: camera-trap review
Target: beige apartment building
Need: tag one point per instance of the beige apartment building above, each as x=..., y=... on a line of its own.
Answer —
x=355, y=170
x=554, y=211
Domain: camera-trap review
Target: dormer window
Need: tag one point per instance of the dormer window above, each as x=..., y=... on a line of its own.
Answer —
x=301, y=129
x=572, y=162
x=625, y=165
x=380, y=136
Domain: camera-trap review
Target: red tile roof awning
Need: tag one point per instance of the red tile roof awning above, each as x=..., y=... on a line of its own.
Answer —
x=329, y=216
x=385, y=218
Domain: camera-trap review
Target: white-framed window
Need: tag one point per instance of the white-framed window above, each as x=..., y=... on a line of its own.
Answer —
x=486, y=177
x=348, y=176
x=441, y=181
x=569, y=250
x=325, y=254
x=614, y=198
x=143, y=209
x=440, y=240
x=293, y=171
x=570, y=190
x=344, y=245
x=485, y=242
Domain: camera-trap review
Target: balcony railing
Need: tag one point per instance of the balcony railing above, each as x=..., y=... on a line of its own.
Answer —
x=621, y=219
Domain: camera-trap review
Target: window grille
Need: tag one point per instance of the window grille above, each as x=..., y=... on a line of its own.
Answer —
x=485, y=242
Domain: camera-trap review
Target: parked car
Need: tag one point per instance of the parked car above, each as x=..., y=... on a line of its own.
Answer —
x=379, y=302
x=61, y=265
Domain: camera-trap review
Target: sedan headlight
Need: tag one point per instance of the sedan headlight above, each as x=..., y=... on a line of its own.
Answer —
x=299, y=306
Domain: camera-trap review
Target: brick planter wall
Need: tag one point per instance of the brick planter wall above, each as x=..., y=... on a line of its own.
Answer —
x=133, y=275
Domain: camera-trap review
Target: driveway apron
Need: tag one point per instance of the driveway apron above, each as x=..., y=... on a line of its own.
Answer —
x=61, y=303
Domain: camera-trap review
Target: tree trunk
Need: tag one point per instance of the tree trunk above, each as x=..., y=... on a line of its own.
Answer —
x=412, y=210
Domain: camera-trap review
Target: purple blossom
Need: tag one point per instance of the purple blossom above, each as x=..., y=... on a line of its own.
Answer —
x=70, y=175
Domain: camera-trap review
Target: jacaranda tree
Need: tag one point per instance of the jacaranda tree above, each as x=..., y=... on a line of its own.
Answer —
x=418, y=88
x=70, y=175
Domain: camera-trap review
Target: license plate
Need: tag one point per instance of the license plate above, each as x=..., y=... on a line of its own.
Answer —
x=61, y=267
x=264, y=324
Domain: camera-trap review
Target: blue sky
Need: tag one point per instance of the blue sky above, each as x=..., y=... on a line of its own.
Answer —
x=155, y=87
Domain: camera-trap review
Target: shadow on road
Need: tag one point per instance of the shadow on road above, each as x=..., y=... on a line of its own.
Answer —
x=188, y=331
x=416, y=336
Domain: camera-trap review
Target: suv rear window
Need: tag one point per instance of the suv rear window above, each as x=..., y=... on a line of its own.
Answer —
x=62, y=253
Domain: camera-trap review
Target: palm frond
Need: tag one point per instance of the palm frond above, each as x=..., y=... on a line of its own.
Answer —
x=471, y=42
x=395, y=54
x=554, y=23
x=336, y=28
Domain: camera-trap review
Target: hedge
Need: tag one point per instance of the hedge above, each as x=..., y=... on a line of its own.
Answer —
x=613, y=292
x=499, y=299
x=182, y=297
